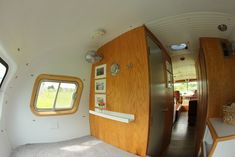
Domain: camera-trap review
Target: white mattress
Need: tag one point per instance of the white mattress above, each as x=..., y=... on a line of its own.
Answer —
x=87, y=146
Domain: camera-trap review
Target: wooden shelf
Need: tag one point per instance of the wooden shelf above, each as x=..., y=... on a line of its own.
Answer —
x=117, y=116
x=220, y=130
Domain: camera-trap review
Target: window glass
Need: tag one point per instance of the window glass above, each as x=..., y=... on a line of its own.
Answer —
x=66, y=95
x=46, y=95
x=192, y=86
x=3, y=70
x=186, y=88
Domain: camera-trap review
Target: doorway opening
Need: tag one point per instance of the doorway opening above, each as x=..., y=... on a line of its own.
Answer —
x=182, y=142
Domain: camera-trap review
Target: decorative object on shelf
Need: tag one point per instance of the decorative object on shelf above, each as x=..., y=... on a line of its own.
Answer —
x=92, y=57
x=229, y=114
x=115, y=68
x=100, y=101
x=100, y=86
x=100, y=71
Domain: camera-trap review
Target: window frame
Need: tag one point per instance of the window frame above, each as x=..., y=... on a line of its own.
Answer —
x=7, y=68
x=60, y=79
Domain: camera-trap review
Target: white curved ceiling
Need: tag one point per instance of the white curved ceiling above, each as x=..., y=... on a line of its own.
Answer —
x=188, y=27
x=40, y=27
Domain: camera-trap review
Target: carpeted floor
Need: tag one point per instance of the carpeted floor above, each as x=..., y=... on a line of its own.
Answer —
x=87, y=146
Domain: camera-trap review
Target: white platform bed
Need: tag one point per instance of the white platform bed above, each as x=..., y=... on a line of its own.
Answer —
x=87, y=146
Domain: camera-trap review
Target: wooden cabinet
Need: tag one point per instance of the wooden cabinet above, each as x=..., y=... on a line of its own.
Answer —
x=219, y=139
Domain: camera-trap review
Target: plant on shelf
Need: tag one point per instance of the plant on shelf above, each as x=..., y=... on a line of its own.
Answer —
x=101, y=105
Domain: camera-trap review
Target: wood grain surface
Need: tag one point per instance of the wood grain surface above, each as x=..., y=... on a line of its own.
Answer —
x=216, y=75
x=128, y=92
x=220, y=75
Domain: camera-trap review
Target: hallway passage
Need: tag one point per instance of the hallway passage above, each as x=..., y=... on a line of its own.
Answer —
x=182, y=140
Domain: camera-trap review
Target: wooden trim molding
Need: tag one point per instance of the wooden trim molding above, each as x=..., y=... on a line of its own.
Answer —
x=189, y=80
x=58, y=78
x=212, y=130
x=216, y=138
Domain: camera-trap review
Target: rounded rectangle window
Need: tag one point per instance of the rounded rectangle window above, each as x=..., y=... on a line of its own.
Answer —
x=56, y=95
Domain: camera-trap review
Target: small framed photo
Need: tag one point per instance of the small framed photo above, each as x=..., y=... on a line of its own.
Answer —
x=168, y=66
x=100, y=86
x=169, y=80
x=100, y=100
x=100, y=71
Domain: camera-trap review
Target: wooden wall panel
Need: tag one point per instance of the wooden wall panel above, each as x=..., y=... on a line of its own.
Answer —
x=229, y=79
x=216, y=83
x=220, y=74
x=128, y=92
x=214, y=64
x=202, y=100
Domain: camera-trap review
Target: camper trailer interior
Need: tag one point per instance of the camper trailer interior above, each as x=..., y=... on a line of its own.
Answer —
x=115, y=78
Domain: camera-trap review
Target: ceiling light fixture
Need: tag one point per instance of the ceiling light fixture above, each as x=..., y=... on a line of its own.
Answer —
x=92, y=57
x=222, y=27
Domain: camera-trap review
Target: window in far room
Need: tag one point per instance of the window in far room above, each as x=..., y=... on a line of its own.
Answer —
x=186, y=88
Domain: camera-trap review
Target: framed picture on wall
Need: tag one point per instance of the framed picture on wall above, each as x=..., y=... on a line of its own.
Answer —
x=100, y=100
x=100, y=86
x=168, y=67
x=169, y=80
x=100, y=71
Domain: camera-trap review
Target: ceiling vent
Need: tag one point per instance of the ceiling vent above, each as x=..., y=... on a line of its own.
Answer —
x=182, y=58
x=222, y=27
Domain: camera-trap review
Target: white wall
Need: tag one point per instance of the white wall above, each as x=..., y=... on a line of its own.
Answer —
x=49, y=44
x=25, y=127
x=5, y=145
